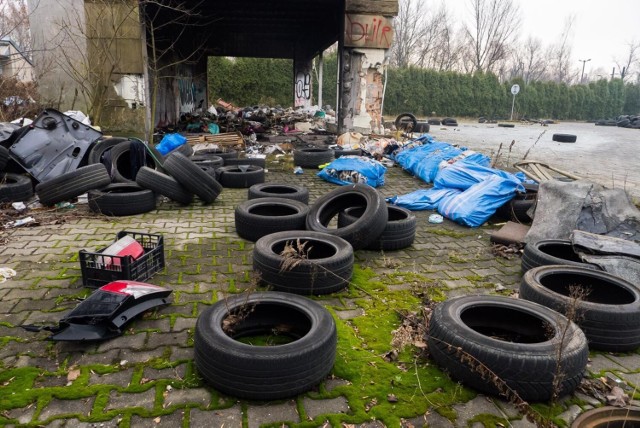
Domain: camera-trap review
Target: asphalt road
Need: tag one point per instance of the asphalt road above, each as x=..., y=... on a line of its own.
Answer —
x=603, y=154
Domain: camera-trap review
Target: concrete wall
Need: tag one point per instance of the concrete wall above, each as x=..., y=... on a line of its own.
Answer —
x=14, y=65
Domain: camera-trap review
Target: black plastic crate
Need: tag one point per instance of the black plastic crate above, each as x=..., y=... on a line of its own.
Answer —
x=98, y=270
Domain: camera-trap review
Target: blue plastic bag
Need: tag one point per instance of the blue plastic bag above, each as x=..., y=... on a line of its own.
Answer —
x=464, y=174
x=475, y=205
x=354, y=169
x=423, y=199
x=170, y=142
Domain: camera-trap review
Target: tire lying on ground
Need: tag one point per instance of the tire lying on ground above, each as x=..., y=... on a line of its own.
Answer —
x=73, y=183
x=449, y=121
x=346, y=152
x=517, y=208
x=15, y=187
x=311, y=157
x=515, y=339
x=279, y=190
x=163, y=184
x=246, y=161
x=406, y=122
x=232, y=341
x=121, y=199
x=224, y=153
x=99, y=148
x=360, y=233
x=185, y=149
x=192, y=177
x=551, y=252
x=399, y=232
x=564, y=138
x=207, y=160
x=607, y=307
x=303, y=262
x=256, y=218
x=240, y=176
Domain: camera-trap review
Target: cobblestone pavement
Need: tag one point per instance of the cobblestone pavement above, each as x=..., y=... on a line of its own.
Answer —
x=146, y=377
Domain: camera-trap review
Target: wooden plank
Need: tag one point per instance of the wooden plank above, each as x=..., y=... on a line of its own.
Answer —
x=226, y=139
x=377, y=7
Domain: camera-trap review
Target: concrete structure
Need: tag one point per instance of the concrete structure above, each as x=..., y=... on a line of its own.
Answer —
x=180, y=38
x=14, y=63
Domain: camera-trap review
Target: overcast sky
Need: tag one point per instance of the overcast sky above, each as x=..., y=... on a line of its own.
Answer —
x=601, y=29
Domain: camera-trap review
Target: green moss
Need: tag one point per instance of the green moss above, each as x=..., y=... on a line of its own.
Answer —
x=449, y=233
x=489, y=421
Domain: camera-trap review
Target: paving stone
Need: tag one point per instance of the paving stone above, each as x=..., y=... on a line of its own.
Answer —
x=132, y=341
x=331, y=384
x=177, y=373
x=231, y=418
x=269, y=413
x=570, y=414
x=182, y=397
x=163, y=339
x=24, y=415
x=319, y=407
x=629, y=362
x=121, y=378
x=120, y=400
x=55, y=407
x=478, y=406
x=601, y=362
x=172, y=420
x=353, y=313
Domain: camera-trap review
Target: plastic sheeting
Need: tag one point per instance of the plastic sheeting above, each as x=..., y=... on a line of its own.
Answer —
x=169, y=142
x=423, y=199
x=465, y=173
x=354, y=169
x=475, y=205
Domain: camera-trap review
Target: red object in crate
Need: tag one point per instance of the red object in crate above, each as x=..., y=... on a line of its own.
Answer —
x=125, y=246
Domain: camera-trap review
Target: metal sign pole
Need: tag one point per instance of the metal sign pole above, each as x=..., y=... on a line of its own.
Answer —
x=513, y=105
x=514, y=90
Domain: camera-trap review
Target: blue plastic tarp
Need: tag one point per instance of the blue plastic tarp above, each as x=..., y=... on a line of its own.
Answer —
x=475, y=205
x=423, y=199
x=170, y=142
x=354, y=169
x=465, y=173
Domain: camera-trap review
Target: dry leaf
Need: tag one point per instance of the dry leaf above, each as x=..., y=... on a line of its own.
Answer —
x=157, y=420
x=391, y=398
x=73, y=374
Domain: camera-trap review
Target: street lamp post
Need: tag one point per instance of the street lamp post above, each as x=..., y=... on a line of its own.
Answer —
x=584, y=62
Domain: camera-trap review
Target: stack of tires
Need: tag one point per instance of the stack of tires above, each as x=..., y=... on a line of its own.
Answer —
x=296, y=254
x=537, y=346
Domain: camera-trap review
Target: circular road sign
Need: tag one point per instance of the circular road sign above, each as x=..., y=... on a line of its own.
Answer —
x=515, y=89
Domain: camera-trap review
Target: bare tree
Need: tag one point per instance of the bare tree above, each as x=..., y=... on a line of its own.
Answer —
x=491, y=32
x=14, y=23
x=560, y=56
x=628, y=64
x=528, y=61
x=408, y=28
x=434, y=36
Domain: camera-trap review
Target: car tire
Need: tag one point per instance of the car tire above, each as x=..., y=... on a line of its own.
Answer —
x=73, y=183
x=122, y=199
x=325, y=265
x=346, y=152
x=246, y=161
x=400, y=231
x=240, y=177
x=516, y=340
x=15, y=187
x=362, y=232
x=518, y=207
x=311, y=157
x=551, y=252
x=265, y=372
x=212, y=161
x=163, y=184
x=223, y=153
x=564, y=138
x=406, y=122
x=121, y=162
x=100, y=147
x=609, y=314
x=256, y=218
x=192, y=177
x=279, y=190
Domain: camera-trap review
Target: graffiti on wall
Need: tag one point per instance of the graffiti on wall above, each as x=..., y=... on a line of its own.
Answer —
x=371, y=31
x=302, y=85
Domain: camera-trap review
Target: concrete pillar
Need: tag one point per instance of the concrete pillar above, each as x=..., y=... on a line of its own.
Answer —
x=302, y=81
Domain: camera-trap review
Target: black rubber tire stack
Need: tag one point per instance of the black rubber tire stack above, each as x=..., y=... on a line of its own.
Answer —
x=362, y=232
x=399, y=232
x=224, y=153
x=15, y=187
